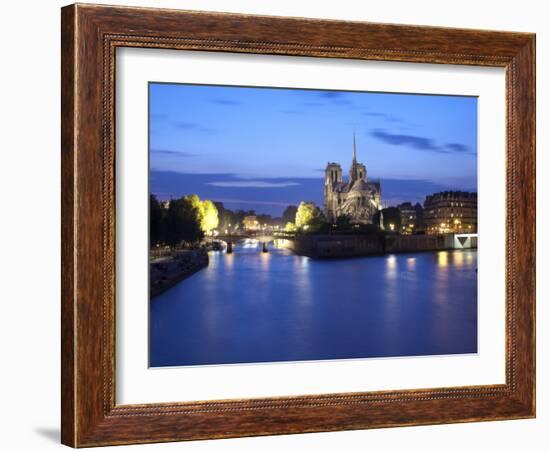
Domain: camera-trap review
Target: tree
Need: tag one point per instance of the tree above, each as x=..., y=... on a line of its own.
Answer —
x=309, y=217
x=209, y=216
x=289, y=215
x=343, y=223
x=419, y=226
x=182, y=222
x=155, y=221
x=264, y=219
x=290, y=227
x=392, y=219
x=207, y=212
x=227, y=218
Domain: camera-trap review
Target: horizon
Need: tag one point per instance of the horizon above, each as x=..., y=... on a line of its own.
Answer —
x=263, y=149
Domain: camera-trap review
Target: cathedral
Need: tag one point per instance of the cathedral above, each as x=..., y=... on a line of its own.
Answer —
x=357, y=198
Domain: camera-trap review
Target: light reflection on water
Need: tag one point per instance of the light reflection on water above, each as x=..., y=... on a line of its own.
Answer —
x=251, y=306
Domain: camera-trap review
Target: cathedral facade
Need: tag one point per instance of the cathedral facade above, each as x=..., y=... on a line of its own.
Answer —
x=357, y=198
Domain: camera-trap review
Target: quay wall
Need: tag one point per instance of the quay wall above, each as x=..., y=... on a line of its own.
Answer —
x=365, y=245
x=406, y=243
x=166, y=273
x=337, y=245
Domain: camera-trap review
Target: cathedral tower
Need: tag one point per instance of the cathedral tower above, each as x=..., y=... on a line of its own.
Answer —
x=333, y=174
x=333, y=177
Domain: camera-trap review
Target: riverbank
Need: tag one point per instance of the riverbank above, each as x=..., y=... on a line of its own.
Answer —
x=327, y=246
x=166, y=272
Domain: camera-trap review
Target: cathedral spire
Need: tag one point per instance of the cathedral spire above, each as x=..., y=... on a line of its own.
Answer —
x=354, y=160
x=353, y=172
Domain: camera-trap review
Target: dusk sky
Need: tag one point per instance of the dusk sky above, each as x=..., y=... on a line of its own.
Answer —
x=264, y=148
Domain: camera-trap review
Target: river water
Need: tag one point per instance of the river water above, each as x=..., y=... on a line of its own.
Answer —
x=250, y=307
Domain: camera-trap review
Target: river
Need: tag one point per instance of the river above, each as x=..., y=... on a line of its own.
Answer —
x=250, y=307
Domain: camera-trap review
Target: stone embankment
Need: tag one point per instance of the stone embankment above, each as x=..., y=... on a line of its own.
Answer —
x=321, y=246
x=168, y=271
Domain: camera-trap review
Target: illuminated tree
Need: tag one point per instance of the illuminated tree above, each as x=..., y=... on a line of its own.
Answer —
x=290, y=227
x=182, y=222
x=207, y=212
x=209, y=216
x=309, y=217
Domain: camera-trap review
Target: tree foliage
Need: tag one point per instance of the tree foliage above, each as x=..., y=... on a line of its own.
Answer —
x=290, y=227
x=156, y=219
x=306, y=214
x=310, y=218
x=391, y=218
x=182, y=222
x=206, y=211
x=289, y=215
x=185, y=220
x=343, y=223
x=227, y=218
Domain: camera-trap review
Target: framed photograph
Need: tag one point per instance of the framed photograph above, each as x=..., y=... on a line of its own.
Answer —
x=281, y=225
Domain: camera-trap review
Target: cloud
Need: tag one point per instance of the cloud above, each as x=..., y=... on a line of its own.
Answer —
x=252, y=184
x=227, y=102
x=335, y=97
x=419, y=143
x=457, y=147
x=170, y=153
x=331, y=94
x=393, y=119
x=188, y=126
x=254, y=202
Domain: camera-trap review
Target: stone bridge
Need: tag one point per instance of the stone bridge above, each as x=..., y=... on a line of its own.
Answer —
x=261, y=236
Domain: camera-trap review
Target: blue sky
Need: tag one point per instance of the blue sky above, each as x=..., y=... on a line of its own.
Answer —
x=265, y=148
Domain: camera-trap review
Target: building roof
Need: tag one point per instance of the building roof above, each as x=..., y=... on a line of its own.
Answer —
x=360, y=185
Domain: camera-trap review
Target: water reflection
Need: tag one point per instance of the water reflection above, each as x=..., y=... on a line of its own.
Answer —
x=442, y=258
x=251, y=306
x=458, y=259
x=391, y=267
x=264, y=261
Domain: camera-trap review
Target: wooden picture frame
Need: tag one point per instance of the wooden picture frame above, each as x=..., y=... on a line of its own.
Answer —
x=90, y=36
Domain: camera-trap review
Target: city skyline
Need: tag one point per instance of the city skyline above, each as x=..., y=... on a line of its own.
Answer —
x=263, y=149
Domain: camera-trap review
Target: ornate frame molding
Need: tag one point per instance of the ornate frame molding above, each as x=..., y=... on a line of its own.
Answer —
x=90, y=37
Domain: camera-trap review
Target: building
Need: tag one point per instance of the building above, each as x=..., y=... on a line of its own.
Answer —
x=451, y=211
x=251, y=223
x=412, y=217
x=357, y=198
